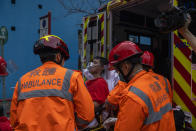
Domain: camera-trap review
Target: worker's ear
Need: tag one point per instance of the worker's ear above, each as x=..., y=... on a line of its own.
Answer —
x=126, y=66
x=58, y=57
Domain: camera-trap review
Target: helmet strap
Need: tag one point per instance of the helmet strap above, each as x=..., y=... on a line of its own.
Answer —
x=130, y=72
x=126, y=77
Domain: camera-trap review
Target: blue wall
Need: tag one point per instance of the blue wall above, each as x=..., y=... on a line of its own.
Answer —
x=24, y=15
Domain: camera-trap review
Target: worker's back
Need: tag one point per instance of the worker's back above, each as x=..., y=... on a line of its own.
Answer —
x=50, y=98
x=146, y=106
x=164, y=81
x=160, y=115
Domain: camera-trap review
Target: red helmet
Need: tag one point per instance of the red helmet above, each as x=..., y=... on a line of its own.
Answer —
x=148, y=59
x=3, y=66
x=53, y=42
x=123, y=51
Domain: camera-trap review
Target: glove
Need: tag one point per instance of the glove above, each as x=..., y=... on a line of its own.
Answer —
x=109, y=122
x=93, y=124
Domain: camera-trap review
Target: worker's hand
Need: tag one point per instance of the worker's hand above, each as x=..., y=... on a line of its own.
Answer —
x=109, y=122
x=93, y=124
x=185, y=27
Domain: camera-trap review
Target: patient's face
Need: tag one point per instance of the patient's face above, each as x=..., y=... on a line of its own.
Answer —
x=96, y=67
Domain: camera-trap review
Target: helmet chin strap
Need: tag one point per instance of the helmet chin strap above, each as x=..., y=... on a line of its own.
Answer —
x=126, y=77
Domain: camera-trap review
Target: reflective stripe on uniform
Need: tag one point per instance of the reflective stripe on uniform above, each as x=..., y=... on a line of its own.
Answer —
x=66, y=85
x=19, y=85
x=156, y=116
x=153, y=116
x=166, y=84
x=63, y=93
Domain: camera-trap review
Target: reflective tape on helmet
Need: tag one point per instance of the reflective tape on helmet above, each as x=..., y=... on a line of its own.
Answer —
x=63, y=93
x=153, y=116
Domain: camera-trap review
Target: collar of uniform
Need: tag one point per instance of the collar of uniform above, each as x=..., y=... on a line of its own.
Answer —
x=50, y=63
x=139, y=74
x=150, y=70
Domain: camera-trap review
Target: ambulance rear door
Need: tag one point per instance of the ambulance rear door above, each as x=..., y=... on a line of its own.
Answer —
x=93, y=37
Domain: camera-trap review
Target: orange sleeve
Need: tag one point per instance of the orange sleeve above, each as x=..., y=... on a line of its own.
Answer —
x=130, y=117
x=114, y=95
x=13, y=108
x=83, y=104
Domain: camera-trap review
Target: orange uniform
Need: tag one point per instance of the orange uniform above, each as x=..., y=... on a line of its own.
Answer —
x=146, y=106
x=116, y=93
x=164, y=81
x=51, y=98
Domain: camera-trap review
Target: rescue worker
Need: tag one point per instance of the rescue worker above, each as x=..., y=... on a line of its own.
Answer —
x=146, y=105
x=148, y=64
x=51, y=97
x=185, y=32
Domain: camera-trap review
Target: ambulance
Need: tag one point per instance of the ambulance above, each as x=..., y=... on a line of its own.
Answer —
x=133, y=20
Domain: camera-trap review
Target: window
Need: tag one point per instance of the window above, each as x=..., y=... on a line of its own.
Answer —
x=144, y=40
x=140, y=39
x=134, y=38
